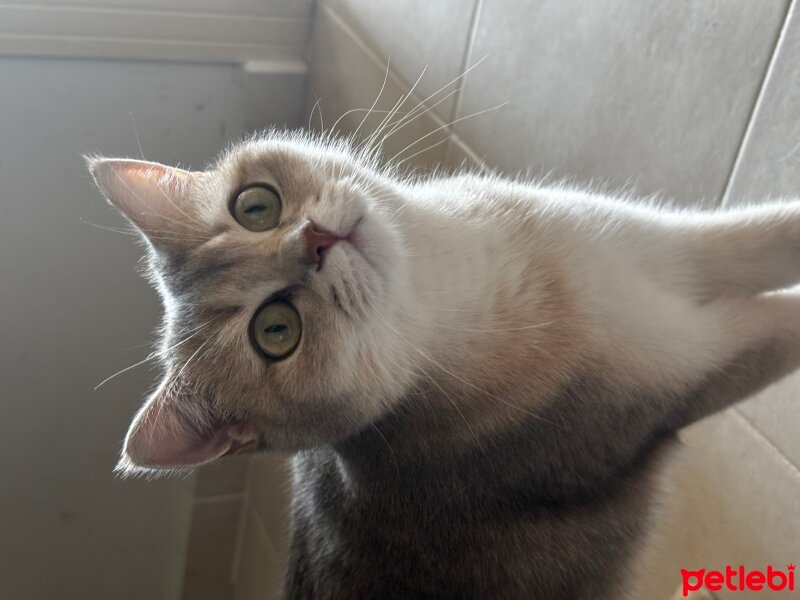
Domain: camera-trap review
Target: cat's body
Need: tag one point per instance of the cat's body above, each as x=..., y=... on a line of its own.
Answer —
x=489, y=372
x=475, y=528
x=555, y=503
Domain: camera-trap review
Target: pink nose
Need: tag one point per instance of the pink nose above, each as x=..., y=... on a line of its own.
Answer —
x=318, y=241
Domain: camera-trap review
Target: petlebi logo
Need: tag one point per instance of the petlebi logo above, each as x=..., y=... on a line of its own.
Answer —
x=739, y=579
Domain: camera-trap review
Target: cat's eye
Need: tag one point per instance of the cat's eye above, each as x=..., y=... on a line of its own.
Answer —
x=276, y=329
x=257, y=208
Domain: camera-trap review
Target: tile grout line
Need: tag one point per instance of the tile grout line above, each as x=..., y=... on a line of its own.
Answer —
x=468, y=47
x=467, y=56
x=264, y=530
x=241, y=526
x=755, y=109
x=373, y=55
x=765, y=441
x=480, y=163
x=365, y=47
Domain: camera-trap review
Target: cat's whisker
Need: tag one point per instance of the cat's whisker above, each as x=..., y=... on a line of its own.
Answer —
x=194, y=331
x=397, y=213
x=424, y=101
x=377, y=98
x=213, y=347
x=196, y=224
x=311, y=114
x=461, y=414
x=136, y=347
x=364, y=147
x=446, y=126
x=401, y=123
x=149, y=357
x=385, y=323
x=388, y=123
x=385, y=122
x=177, y=240
x=132, y=233
x=355, y=110
x=321, y=121
x=194, y=354
x=136, y=136
x=374, y=425
x=431, y=147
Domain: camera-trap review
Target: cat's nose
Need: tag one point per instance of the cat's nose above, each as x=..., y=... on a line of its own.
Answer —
x=318, y=240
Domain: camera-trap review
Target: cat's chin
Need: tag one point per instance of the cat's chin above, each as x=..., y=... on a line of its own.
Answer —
x=362, y=268
x=305, y=433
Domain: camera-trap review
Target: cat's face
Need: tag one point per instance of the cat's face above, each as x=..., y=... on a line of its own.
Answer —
x=281, y=273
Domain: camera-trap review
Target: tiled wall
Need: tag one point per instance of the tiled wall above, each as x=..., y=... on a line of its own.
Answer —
x=698, y=101
x=239, y=530
x=215, y=530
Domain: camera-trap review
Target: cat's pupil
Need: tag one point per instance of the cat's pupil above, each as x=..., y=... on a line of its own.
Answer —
x=275, y=329
x=256, y=208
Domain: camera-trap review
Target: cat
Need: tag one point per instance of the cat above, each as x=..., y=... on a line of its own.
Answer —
x=478, y=379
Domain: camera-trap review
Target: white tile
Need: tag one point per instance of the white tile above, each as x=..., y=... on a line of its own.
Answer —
x=775, y=413
x=731, y=501
x=414, y=35
x=769, y=165
x=649, y=93
x=270, y=494
x=346, y=77
x=460, y=157
x=222, y=478
x=210, y=550
x=260, y=574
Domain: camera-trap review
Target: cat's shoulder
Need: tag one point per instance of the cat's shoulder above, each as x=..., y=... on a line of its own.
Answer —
x=496, y=196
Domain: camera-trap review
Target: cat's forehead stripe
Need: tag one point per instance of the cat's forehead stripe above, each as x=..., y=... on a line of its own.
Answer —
x=278, y=163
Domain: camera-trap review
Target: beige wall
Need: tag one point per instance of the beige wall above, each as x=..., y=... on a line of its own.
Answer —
x=696, y=101
x=239, y=531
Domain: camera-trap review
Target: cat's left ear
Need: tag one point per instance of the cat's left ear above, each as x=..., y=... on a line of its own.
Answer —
x=167, y=434
x=152, y=196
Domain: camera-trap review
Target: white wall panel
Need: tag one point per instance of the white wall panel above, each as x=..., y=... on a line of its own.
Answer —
x=186, y=30
x=73, y=310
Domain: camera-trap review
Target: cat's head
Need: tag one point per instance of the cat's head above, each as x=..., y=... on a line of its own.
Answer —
x=281, y=271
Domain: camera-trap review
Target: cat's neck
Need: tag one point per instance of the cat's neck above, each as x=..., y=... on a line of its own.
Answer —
x=469, y=293
x=458, y=274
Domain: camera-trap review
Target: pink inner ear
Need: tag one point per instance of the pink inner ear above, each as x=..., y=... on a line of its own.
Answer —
x=162, y=437
x=148, y=194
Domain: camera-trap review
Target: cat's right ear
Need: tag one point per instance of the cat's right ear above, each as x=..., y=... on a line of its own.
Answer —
x=152, y=196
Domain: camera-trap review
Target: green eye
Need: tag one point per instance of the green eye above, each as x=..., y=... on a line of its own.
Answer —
x=257, y=208
x=276, y=329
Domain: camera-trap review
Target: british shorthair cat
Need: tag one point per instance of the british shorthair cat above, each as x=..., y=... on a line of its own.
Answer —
x=478, y=378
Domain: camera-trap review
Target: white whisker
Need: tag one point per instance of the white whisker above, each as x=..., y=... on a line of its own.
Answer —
x=149, y=357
